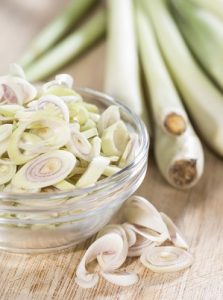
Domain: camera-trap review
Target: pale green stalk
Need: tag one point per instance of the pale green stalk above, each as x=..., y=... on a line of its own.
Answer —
x=214, y=6
x=204, y=101
x=55, y=30
x=69, y=48
x=122, y=78
x=204, y=33
x=179, y=158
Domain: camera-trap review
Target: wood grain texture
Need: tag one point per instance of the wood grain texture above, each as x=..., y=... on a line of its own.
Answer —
x=198, y=212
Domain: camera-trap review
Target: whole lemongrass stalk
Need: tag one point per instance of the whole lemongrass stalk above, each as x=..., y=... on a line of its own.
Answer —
x=204, y=33
x=203, y=99
x=69, y=48
x=214, y=6
x=55, y=30
x=122, y=79
x=180, y=158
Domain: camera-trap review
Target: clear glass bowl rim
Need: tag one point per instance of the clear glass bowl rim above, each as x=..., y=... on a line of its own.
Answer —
x=109, y=182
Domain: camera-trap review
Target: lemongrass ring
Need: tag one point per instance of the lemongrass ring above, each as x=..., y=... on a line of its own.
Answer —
x=8, y=112
x=5, y=131
x=114, y=139
x=96, y=146
x=166, y=259
x=45, y=170
x=176, y=236
x=110, y=116
x=129, y=153
x=105, y=244
x=7, y=170
x=90, y=133
x=45, y=100
x=16, y=70
x=94, y=171
x=121, y=278
x=80, y=146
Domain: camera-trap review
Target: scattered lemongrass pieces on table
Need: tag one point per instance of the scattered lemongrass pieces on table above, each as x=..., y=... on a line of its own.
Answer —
x=115, y=242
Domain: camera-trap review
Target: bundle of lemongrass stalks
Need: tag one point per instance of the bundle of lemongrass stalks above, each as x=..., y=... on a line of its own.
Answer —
x=179, y=44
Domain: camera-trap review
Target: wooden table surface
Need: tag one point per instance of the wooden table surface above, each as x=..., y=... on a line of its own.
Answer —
x=198, y=212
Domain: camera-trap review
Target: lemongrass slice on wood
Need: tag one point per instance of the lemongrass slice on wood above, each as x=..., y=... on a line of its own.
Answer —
x=176, y=236
x=166, y=259
x=110, y=116
x=5, y=131
x=108, y=243
x=80, y=146
x=94, y=171
x=45, y=170
x=114, y=139
x=129, y=153
x=139, y=211
x=7, y=170
x=112, y=261
x=45, y=101
x=121, y=278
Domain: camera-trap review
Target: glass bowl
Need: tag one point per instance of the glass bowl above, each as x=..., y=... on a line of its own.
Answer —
x=45, y=222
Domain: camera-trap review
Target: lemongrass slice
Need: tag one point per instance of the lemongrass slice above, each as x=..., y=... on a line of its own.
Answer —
x=176, y=236
x=108, y=243
x=15, y=90
x=8, y=112
x=114, y=139
x=112, y=261
x=110, y=116
x=121, y=278
x=29, y=141
x=166, y=259
x=4, y=146
x=129, y=153
x=57, y=130
x=45, y=102
x=7, y=170
x=80, y=146
x=5, y=131
x=139, y=211
x=45, y=170
x=94, y=171
x=90, y=133
x=96, y=146
x=111, y=170
x=88, y=125
x=64, y=185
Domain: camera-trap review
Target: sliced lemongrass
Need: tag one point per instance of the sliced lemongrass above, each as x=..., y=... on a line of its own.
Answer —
x=7, y=170
x=88, y=125
x=166, y=259
x=90, y=133
x=29, y=141
x=76, y=171
x=75, y=126
x=109, y=243
x=129, y=152
x=109, y=116
x=80, y=146
x=94, y=117
x=64, y=185
x=121, y=278
x=139, y=211
x=180, y=159
x=130, y=234
x=91, y=107
x=44, y=101
x=5, y=131
x=114, y=139
x=176, y=236
x=167, y=108
x=4, y=146
x=111, y=170
x=59, y=136
x=94, y=171
x=45, y=170
x=14, y=189
x=82, y=115
x=96, y=146
x=113, y=159
x=16, y=90
x=8, y=112
x=111, y=261
x=16, y=70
